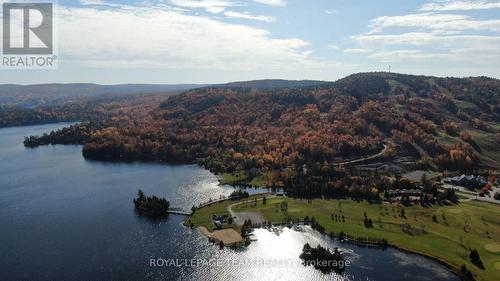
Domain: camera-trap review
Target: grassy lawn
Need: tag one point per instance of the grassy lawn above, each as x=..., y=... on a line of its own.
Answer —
x=490, y=150
x=232, y=178
x=262, y=180
x=203, y=216
x=444, y=138
x=460, y=228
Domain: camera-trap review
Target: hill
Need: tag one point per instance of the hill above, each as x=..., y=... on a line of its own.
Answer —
x=46, y=103
x=38, y=95
x=271, y=137
x=29, y=96
x=271, y=84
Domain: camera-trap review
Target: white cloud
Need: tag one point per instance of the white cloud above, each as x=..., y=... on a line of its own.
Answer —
x=218, y=6
x=460, y=6
x=212, y=6
x=272, y=2
x=437, y=39
x=158, y=37
x=333, y=47
x=434, y=21
x=99, y=3
x=246, y=15
x=432, y=47
x=91, y=2
x=357, y=51
x=473, y=56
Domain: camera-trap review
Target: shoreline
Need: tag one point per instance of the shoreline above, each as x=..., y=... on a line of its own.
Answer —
x=228, y=236
x=454, y=269
x=451, y=267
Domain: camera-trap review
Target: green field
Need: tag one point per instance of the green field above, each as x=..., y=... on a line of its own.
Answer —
x=459, y=228
x=203, y=216
x=239, y=177
x=233, y=178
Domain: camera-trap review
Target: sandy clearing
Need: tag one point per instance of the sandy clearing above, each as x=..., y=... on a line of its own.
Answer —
x=227, y=236
x=493, y=247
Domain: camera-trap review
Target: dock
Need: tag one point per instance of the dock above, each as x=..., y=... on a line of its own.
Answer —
x=182, y=213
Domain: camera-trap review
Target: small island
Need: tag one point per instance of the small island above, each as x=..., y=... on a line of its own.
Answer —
x=322, y=259
x=153, y=207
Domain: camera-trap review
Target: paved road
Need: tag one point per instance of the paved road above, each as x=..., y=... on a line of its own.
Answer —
x=471, y=195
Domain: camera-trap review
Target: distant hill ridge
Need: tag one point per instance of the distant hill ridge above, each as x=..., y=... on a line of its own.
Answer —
x=93, y=89
x=360, y=84
x=30, y=96
x=264, y=84
x=271, y=84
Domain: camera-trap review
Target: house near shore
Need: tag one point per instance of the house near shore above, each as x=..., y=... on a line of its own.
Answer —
x=218, y=224
x=219, y=221
x=468, y=181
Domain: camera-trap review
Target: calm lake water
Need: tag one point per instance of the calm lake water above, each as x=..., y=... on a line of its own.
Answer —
x=65, y=218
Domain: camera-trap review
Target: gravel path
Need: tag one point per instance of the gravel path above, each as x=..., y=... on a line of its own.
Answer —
x=240, y=217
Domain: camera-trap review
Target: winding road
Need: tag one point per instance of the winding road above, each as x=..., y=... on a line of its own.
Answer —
x=381, y=153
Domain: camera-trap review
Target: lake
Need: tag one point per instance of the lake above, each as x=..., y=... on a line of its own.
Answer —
x=66, y=218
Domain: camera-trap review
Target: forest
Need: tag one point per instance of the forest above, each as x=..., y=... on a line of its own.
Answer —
x=295, y=137
x=41, y=108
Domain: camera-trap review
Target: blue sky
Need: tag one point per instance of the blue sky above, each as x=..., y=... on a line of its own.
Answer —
x=212, y=41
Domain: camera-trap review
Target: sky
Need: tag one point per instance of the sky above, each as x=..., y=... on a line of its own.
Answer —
x=216, y=41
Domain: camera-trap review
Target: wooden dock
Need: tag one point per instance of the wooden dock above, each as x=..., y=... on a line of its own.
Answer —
x=181, y=213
